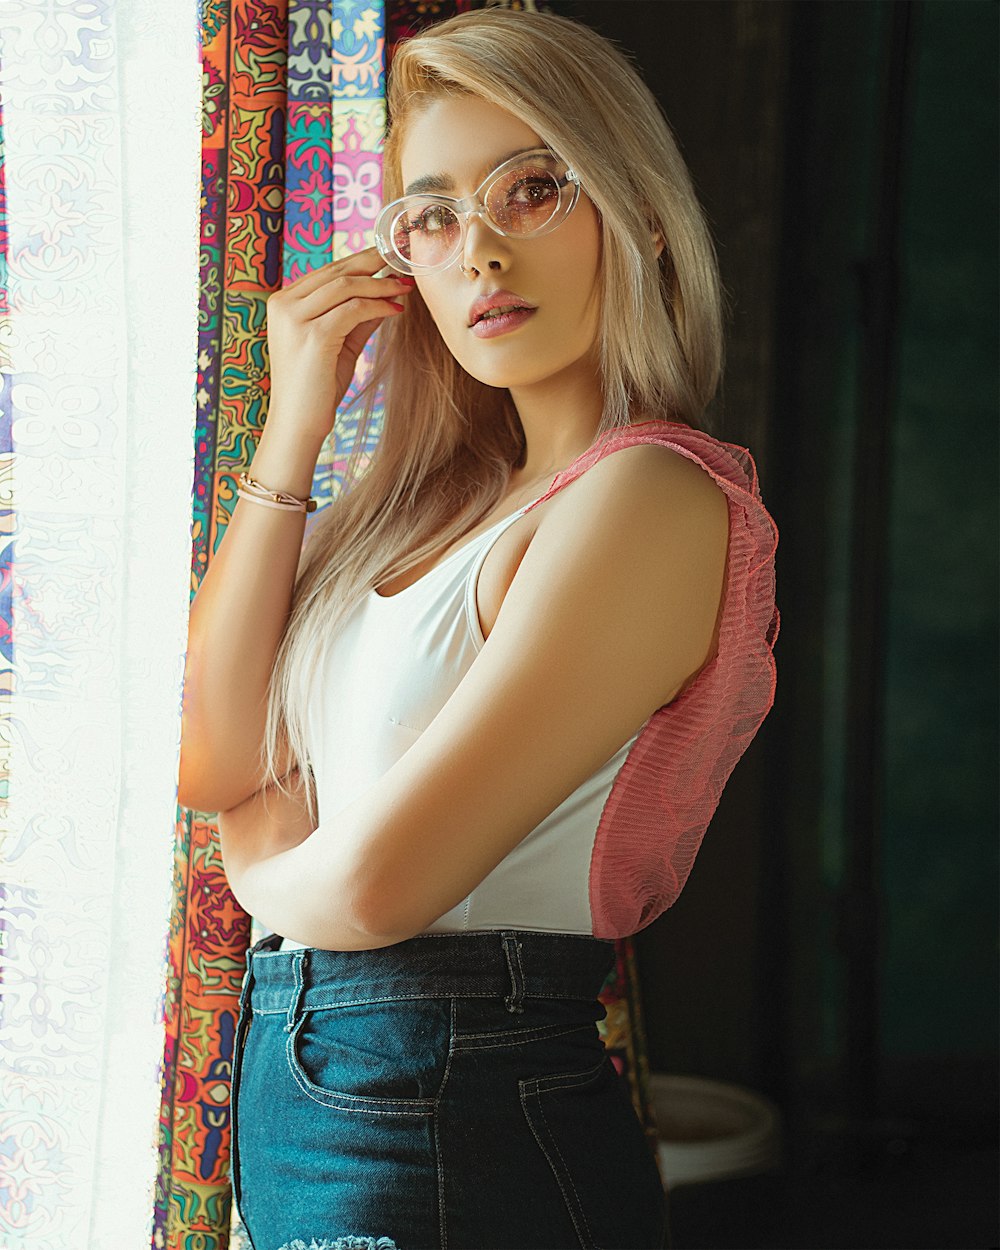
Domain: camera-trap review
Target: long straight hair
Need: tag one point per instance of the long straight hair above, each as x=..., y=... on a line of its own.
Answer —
x=448, y=442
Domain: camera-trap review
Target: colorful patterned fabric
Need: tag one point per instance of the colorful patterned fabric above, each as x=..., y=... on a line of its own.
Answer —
x=293, y=116
x=406, y=17
x=243, y=83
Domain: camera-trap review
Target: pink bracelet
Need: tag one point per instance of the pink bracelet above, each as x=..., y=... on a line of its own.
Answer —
x=256, y=492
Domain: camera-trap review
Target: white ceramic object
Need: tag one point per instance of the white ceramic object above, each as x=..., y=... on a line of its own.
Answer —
x=710, y=1130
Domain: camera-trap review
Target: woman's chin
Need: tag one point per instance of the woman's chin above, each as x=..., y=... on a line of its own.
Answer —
x=507, y=373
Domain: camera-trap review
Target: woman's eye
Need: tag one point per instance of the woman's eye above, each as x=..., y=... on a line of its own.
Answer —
x=532, y=191
x=432, y=219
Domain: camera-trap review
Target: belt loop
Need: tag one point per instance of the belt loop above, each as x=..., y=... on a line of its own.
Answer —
x=512, y=951
x=299, y=967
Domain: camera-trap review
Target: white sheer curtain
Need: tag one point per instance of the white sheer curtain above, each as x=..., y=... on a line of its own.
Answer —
x=101, y=120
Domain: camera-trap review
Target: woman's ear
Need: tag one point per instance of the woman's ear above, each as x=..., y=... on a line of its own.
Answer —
x=658, y=240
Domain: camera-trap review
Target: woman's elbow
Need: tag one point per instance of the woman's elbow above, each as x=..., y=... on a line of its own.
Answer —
x=211, y=789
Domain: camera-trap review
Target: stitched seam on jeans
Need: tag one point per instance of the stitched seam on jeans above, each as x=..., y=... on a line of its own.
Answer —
x=341, y=1101
x=396, y=998
x=236, y=1078
x=548, y=1159
x=295, y=1005
x=534, y=1028
x=558, y=1080
x=447, y=1064
x=569, y=1179
x=522, y=1038
x=515, y=999
x=442, y=1204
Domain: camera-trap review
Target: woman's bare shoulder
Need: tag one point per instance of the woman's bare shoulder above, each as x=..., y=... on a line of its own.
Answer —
x=665, y=481
x=645, y=491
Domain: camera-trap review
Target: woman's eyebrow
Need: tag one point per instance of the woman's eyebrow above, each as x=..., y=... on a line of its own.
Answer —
x=444, y=182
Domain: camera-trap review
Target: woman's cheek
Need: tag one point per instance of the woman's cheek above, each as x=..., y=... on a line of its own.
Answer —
x=445, y=324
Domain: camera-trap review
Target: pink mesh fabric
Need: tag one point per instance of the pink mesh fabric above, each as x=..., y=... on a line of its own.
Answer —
x=669, y=786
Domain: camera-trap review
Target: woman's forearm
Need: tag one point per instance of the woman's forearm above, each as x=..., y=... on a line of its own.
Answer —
x=236, y=624
x=266, y=824
x=288, y=891
x=298, y=885
x=287, y=895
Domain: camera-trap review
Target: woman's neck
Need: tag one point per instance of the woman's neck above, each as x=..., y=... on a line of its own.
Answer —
x=560, y=416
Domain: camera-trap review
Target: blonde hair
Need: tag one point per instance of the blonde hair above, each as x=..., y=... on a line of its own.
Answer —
x=448, y=442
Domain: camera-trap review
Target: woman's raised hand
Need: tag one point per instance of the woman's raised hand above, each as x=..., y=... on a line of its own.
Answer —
x=316, y=329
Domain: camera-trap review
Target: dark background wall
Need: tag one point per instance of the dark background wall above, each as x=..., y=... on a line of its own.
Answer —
x=836, y=944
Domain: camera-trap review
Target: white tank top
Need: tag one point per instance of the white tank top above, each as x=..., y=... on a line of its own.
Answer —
x=389, y=670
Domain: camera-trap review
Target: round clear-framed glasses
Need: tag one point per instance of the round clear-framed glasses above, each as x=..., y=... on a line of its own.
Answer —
x=528, y=195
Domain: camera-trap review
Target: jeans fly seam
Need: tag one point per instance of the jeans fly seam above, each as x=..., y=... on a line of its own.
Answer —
x=439, y=1160
x=243, y=1022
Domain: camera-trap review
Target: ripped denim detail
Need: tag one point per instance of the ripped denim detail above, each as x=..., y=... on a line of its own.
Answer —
x=343, y=1243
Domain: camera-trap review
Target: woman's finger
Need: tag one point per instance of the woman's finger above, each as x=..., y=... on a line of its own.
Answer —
x=344, y=319
x=360, y=263
x=347, y=287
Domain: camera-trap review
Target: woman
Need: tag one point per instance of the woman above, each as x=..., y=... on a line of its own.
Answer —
x=476, y=732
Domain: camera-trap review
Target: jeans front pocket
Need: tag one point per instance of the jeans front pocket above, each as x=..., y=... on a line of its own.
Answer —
x=382, y=1058
x=586, y=1127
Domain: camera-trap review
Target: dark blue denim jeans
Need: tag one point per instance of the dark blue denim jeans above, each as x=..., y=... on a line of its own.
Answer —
x=449, y=1092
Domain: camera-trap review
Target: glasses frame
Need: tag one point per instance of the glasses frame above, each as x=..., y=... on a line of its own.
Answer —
x=471, y=205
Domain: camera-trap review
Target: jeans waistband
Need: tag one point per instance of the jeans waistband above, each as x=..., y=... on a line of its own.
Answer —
x=512, y=964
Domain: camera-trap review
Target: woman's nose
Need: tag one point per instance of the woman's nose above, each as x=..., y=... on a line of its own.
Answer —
x=484, y=248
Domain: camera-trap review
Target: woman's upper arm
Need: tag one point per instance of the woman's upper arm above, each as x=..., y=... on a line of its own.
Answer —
x=613, y=607
x=219, y=775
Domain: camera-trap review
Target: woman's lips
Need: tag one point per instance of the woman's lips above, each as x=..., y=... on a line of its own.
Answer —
x=490, y=327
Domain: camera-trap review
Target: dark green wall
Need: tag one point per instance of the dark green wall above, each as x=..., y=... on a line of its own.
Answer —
x=836, y=941
x=889, y=318
x=940, y=861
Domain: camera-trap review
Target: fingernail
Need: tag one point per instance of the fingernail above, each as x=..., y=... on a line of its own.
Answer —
x=408, y=280
x=395, y=305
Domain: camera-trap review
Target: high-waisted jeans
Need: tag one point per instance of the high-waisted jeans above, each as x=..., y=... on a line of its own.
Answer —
x=449, y=1092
